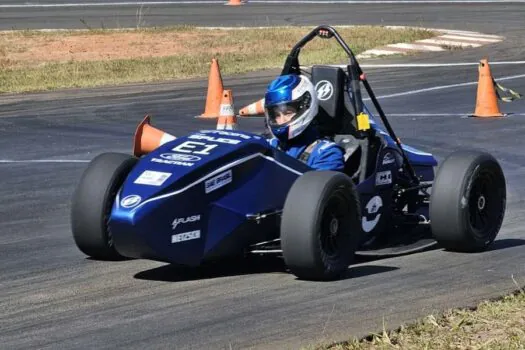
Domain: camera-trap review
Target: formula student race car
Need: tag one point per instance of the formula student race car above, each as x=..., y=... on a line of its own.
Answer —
x=215, y=194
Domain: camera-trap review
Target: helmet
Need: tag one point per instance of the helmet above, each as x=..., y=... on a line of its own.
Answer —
x=294, y=94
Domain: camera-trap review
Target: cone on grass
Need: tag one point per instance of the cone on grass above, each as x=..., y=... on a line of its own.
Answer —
x=148, y=138
x=227, y=119
x=255, y=108
x=486, y=99
x=215, y=89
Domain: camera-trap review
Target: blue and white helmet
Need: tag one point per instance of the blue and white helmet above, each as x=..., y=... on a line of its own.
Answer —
x=290, y=93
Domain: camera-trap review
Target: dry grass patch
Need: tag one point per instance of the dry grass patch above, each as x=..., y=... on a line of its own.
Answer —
x=497, y=324
x=32, y=60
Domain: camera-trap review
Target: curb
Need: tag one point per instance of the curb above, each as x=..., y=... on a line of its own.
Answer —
x=448, y=40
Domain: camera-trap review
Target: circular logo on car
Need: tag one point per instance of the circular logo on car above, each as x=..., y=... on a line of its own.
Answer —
x=324, y=90
x=130, y=201
x=180, y=157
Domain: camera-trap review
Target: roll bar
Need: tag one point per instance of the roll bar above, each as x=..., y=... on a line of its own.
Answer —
x=356, y=74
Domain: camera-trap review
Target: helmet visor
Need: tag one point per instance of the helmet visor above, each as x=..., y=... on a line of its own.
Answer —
x=284, y=113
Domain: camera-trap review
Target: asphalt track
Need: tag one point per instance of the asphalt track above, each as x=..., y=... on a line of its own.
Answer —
x=495, y=16
x=51, y=296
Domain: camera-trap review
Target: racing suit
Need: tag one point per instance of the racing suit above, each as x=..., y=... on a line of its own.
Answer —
x=316, y=152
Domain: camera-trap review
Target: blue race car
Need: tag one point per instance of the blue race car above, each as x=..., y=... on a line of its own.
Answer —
x=215, y=194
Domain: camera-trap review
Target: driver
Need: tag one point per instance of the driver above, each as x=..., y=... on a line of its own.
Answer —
x=290, y=106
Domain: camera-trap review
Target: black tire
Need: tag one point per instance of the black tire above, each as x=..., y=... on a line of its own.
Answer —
x=468, y=201
x=92, y=202
x=308, y=228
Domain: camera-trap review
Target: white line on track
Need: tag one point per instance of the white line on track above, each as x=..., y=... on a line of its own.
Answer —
x=219, y=2
x=442, y=87
x=464, y=37
x=386, y=1
x=110, y=4
x=44, y=161
x=428, y=65
x=439, y=114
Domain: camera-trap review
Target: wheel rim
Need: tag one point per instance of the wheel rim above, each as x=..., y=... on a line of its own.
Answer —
x=485, y=204
x=334, y=223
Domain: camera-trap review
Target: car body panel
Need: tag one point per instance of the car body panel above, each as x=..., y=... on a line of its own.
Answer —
x=186, y=211
x=190, y=200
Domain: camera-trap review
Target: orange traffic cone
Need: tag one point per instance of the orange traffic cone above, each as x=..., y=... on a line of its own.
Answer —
x=215, y=88
x=227, y=119
x=486, y=100
x=234, y=3
x=148, y=138
x=254, y=108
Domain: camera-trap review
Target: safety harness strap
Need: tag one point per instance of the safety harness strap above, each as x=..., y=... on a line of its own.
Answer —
x=307, y=151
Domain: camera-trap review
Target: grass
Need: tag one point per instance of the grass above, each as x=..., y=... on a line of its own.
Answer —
x=33, y=60
x=493, y=324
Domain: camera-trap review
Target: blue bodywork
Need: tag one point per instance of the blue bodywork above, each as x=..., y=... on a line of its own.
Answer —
x=213, y=193
x=216, y=179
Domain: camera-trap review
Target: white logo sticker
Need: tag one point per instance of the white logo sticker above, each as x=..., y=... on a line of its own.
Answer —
x=178, y=221
x=388, y=159
x=180, y=157
x=171, y=162
x=153, y=178
x=226, y=133
x=130, y=201
x=195, y=147
x=212, y=139
x=186, y=236
x=218, y=181
x=384, y=178
x=372, y=207
x=324, y=90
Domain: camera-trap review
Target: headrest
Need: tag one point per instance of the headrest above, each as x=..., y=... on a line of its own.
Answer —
x=329, y=84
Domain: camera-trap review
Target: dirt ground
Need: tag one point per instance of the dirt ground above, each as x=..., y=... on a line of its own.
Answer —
x=33, y=50
x=36, y=60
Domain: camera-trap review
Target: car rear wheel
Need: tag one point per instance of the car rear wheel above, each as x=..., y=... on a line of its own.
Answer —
x=92, y=202
x=468, y=201
x=320, y=226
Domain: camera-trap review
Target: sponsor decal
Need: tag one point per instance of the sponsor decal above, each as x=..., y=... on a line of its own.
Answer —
x=177, y=221
x=152, y=178
x=130, y=201
x=180, y=157
x=213, y=139
x=383, y=178
x=324, y=90
x=185, y=236
x=171, y=162
x=226, y=133
x=218, y=181
x=372, y=207
x=388, y=158
x=195, y=147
